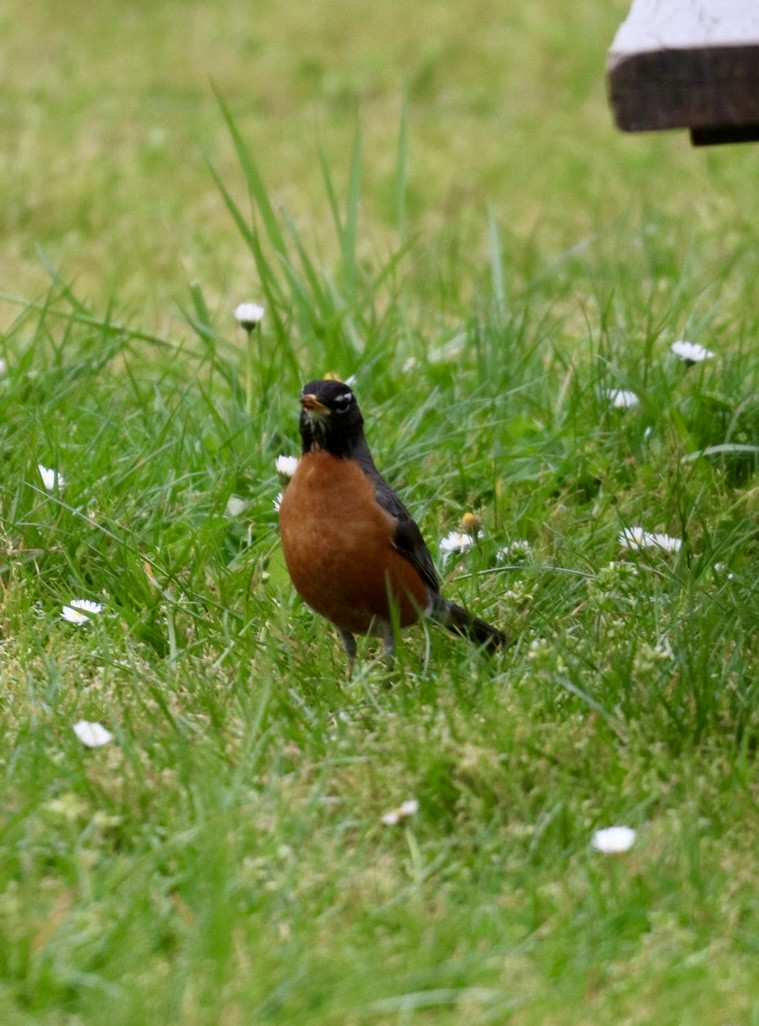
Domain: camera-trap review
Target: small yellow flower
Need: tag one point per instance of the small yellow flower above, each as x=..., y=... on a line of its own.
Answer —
x=471, y=523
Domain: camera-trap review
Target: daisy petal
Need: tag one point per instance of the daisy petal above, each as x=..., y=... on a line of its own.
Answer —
x=632, y=538
x=79, y=611
x=248, y=315
x=614, y=840
x=635, y=538
x=456, y=541
x=621, y=398
x=74, y=616
x=87, y=606
x=665, y=542
x=51, y=479
x=286, y=465
x=92, y=735
x=691, y=352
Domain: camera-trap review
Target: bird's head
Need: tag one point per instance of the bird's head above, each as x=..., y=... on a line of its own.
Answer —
x=330, y=418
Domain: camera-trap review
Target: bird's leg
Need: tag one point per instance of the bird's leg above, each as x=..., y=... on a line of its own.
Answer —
x=349, y=644
x=388, y=643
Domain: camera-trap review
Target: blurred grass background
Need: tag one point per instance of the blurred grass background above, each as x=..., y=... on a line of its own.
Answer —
x=108, y=112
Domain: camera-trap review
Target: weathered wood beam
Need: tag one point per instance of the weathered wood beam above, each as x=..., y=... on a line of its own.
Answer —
x=688, y=64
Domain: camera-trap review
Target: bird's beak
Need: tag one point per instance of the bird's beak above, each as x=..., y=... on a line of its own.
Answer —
x=310, y=403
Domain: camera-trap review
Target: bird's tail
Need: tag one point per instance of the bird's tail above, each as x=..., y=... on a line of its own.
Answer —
x=459, y=621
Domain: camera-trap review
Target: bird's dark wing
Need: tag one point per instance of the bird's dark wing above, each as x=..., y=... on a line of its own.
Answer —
x=409, y=542
x=407, y=537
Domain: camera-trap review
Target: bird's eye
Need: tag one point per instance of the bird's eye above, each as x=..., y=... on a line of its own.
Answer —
x=341, y=403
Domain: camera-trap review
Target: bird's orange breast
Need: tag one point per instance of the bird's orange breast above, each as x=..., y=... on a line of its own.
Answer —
x=338, y=546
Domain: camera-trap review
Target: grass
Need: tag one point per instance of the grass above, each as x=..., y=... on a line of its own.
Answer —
x=224, y=859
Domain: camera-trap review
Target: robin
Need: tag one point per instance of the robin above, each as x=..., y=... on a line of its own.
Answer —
x=354, y=553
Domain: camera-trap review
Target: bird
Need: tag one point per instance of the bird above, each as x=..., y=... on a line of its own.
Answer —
x=354, y=553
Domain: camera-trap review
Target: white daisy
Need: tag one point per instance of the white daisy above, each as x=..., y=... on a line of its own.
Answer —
x=51, y=479
x=632, y=538
x=80, y=611
x=456, y=541
x=87, y=606
x=3, y=366
x=408, y=808
x=248, y=315
x=621, y=398
x=635, y=538
x=286, y=465
x=665, y=542
x=278, y=500
x=614, y=840
x=691, y=352
x=93, y=735
x=74, y=616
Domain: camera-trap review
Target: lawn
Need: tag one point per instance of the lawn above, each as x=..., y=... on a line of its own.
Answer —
x=433, y=200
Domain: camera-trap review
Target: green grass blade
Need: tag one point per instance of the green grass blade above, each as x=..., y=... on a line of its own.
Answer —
x=257, y=190
x=497, y=269
x=352, y=209
x=401, y=167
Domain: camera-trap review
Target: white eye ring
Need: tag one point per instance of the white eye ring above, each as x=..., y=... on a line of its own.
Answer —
x=342, y=402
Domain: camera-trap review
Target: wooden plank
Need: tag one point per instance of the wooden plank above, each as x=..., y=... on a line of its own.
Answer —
x=687, y=64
